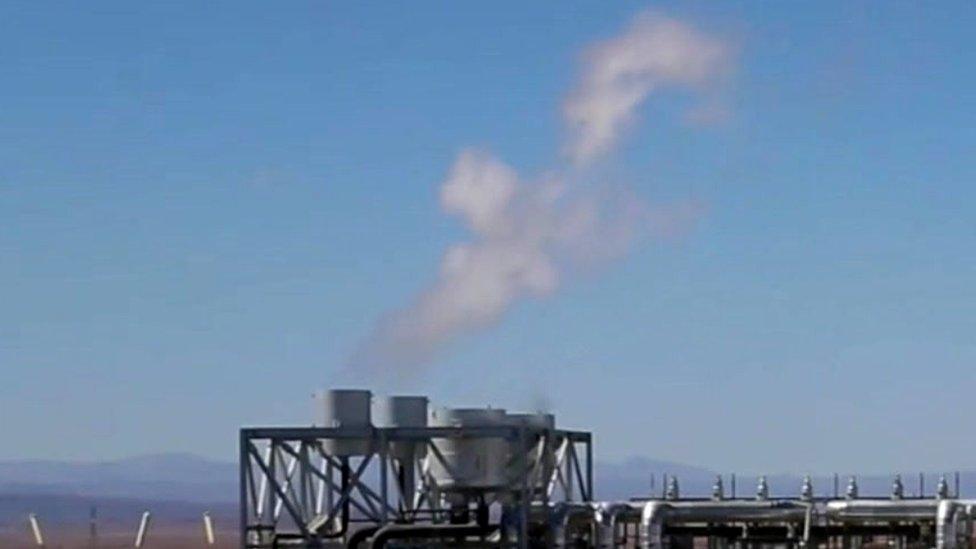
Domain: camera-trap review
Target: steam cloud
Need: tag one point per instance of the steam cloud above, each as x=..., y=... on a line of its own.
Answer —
x=527, y=235
x=653, y=53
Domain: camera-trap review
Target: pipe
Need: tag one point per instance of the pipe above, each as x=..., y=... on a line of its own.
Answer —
x=407, y=531
x=564, y=514
x=360, y=536
x=874, y=510
x=651, y=530
x=946, y=524
x=970, y=516
x=946, y=514
x=656, y=515
x=751, y=511
x=606, y=516
x=36, y=530
x=208, y=529
x=143, y=529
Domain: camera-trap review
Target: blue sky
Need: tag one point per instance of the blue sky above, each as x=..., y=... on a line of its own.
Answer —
x=205, y=208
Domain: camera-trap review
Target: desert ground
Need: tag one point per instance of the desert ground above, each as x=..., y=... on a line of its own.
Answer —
x=169, y=537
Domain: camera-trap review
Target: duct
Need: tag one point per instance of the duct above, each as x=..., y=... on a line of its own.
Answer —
x=947, y=524
x=565, y=514
x=737, y=511
x=360, y=536
x=410, y=531
x=954, y=520
x=970, y=517
x=607, y=515
x=947, y=514
x=651, y=530
x=657, y=514
x=869, y=510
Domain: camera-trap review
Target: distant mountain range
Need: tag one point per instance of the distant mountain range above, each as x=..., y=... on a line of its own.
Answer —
x=178, y=487
x=179, y=477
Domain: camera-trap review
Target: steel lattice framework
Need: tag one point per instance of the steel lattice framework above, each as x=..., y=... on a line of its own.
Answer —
x=293, y=490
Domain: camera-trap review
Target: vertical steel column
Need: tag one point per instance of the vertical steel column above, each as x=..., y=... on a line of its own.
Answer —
x=244, y=466
x=589, y=468
x=384, y=464
x=524, y=500
x=272, y=493
x=304, y=480
x=329, y=492
x=569, y=463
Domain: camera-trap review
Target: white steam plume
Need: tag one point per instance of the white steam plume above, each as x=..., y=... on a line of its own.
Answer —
x=620, y=73
x=528, y=234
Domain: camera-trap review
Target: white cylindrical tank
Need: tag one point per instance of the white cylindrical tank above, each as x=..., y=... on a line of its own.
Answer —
x=349, y=408
x=470, y=463
x=402, y=411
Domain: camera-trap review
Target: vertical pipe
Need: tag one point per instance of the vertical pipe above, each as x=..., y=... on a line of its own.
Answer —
x=143, y=529
x=93, y=527
x=208, y=529
x=921, y=485
x=36, y=530
x=733, y=485
x=946, y=535
x=956, y=480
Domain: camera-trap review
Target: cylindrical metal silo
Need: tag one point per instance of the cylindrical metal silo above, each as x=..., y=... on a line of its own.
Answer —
x=345, y=408
x=401, y=411
x=469, y=462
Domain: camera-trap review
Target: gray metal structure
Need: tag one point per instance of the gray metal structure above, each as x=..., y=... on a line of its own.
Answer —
x=295, y=491
x=942, y=522
x=486, y=478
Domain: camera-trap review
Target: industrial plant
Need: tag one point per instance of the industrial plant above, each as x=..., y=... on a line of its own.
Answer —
x=397, y=472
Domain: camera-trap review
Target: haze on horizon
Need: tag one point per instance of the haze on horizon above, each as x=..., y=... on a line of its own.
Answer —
x=738, y=236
